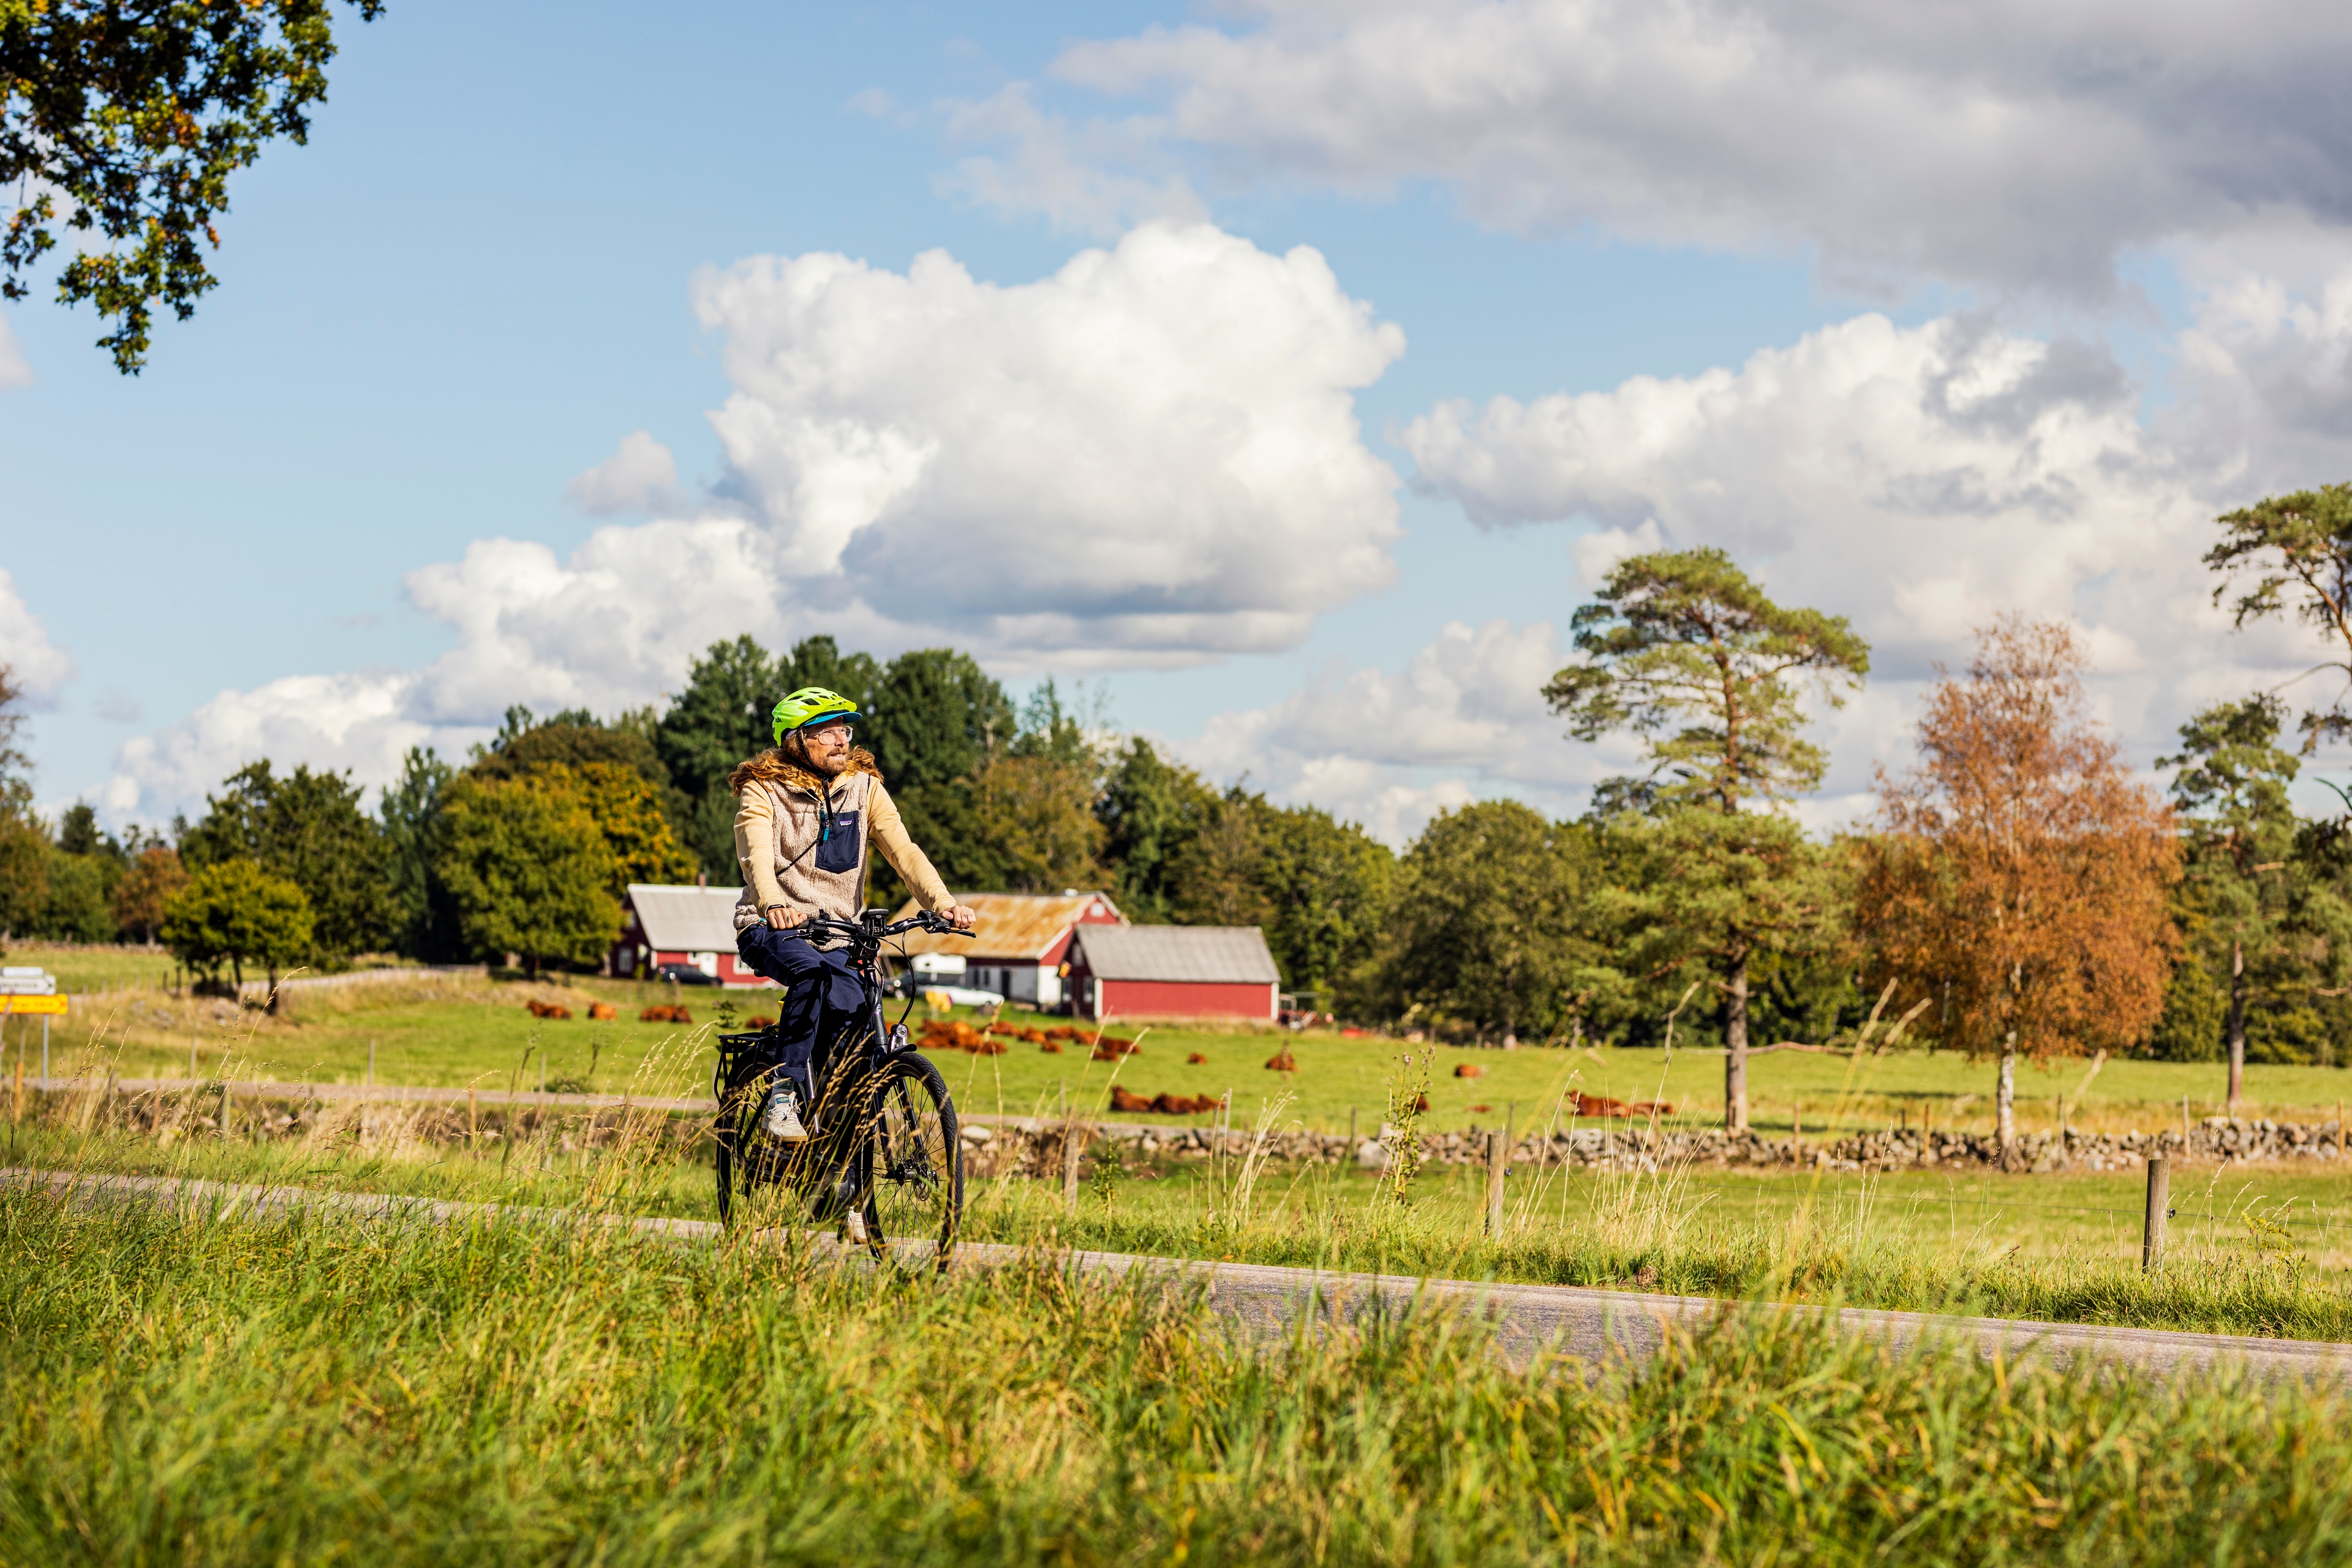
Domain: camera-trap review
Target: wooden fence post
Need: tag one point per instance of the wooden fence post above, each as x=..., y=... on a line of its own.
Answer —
x=1498, y=1156
x=2160, y=1190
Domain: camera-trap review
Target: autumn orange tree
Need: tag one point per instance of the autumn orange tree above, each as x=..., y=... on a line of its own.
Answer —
x=2021, y=874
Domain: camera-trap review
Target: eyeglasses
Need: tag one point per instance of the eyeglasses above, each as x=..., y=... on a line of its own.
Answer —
x=841, y=734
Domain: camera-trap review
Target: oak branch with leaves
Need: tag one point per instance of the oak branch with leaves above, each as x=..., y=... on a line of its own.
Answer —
x=122, y=119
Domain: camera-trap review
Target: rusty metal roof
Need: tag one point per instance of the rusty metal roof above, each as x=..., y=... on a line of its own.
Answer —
x=1225, y=956
x=1019, y=927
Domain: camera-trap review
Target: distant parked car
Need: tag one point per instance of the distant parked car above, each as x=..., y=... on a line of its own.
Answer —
x=913, y=984
x=684, y=974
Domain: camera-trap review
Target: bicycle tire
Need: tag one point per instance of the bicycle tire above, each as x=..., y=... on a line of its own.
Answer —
x=747, y=1163
x=739, y=1155
x=911, y=1162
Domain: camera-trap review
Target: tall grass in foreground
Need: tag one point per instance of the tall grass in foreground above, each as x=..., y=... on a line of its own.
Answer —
x=312, y=1390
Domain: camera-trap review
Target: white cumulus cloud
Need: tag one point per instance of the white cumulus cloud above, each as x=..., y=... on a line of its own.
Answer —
x=41, y=667
x=1921, y=481
x=1152, y=455
x=2015, y=142
x=641, y=476
x=359, y=721
x=1150, y=458
x=1465, y=718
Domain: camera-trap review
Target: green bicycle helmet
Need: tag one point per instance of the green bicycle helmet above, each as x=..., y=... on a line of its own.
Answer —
x=812, y=705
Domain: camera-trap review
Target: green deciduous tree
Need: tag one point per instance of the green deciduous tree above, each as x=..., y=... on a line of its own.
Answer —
x=1683, y=649
x=1034, y=816
x=1214, y=880
x=235, y=914
x=2266, y=917
x=938, y=717
x=76, y=910
x=24, y=846
x=1151, y=810
x=1326, y=886
x=84, y=866
x=1319, y=887
x=1490, y=925
x=307, y=827
x=627, y=812
x=2298, y=549
x=569, y=739
x=722, y=716
x=423, y=922
x=528, y=871
x=122, y=121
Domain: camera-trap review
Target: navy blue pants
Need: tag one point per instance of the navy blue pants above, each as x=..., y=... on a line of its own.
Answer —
x=820, y=991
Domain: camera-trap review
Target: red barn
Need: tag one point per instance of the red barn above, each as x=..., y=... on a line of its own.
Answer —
x=693, y=926
x=1174, y=972
x=1017, y=943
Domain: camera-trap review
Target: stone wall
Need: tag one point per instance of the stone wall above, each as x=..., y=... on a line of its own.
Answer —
x=1038, y=1151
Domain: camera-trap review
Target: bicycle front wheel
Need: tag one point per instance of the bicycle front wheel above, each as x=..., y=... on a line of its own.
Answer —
x=913, y=1160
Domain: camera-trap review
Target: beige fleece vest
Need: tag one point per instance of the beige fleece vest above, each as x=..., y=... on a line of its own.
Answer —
x=817, y=873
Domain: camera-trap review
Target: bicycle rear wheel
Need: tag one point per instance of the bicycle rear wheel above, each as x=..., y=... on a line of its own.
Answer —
x=758, y=1178
x=739, y=1154
x=912, y=1160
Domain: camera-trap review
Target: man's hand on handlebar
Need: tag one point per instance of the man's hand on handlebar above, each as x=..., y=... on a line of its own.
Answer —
x=960, y=917
x=782, y=917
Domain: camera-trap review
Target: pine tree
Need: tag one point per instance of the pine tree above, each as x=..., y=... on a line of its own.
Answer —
x=2266, y=914
x=1684, y=649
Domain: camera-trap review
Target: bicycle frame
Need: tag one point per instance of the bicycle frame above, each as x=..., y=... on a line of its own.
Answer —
x=831, y=1156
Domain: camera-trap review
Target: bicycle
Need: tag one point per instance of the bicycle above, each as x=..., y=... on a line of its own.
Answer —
x=884, y=1158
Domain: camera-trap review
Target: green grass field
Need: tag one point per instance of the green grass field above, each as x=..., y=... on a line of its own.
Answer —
x=318, y=1389
x=2263, y=1251
x=81, y=971
x=322, y=1388
x=454, y=1033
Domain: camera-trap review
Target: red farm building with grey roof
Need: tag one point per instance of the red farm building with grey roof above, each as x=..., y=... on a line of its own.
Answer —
x=1132, y=972
x=690, y=926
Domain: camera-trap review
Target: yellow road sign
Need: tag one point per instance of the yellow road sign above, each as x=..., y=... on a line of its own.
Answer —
x=14, y=1003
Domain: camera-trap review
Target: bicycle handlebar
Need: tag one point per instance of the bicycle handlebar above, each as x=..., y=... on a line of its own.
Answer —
x=860, y=933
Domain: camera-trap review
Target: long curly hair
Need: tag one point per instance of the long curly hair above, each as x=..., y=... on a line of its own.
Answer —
x=777, y=765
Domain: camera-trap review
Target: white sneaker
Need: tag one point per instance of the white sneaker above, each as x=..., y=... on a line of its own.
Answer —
x=784, y=1120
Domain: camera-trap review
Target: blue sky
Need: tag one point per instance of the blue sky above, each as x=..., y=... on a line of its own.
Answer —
x=480, y=277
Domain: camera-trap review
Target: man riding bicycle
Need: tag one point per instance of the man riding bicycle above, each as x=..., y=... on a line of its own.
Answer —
x=805, y=814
